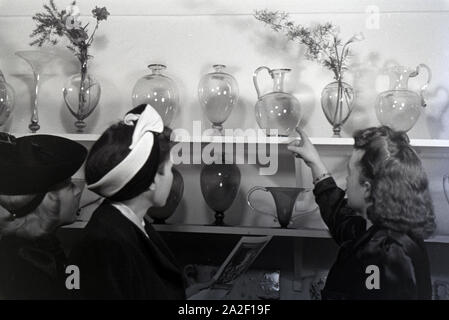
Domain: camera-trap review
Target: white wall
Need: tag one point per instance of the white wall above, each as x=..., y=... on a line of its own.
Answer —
x=190, y=36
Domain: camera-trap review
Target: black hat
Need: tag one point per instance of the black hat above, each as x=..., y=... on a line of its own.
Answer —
x=34, y=164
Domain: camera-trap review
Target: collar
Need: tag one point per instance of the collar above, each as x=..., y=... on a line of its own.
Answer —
x=130, y=215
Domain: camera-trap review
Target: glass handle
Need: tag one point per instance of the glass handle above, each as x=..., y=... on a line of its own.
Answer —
x=445, y=181
x=255, y=74
x=424, y=87
x=250, y=192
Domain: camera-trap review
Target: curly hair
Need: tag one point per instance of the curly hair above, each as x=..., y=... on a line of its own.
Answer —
x=400, y=194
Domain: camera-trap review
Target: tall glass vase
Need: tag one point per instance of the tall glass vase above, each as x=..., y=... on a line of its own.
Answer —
x=220, y=184
x=218, y=93
x=81, y=95
x=337, y=104
x=158, y=90
x=37, y=60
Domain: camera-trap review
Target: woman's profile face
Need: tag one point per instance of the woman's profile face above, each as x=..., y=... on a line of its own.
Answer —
x=163, y=181
x=356, y=191
x=63, y=203
x=70, y=196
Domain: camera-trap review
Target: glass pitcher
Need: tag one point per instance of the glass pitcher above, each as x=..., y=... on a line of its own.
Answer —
x=159, y=91
x=6, y=100
x=276, y=110
x=398, y=107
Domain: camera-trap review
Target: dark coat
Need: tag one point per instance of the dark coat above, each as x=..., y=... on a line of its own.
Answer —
x=402, y=259
x=32, y=269
x=117, y=261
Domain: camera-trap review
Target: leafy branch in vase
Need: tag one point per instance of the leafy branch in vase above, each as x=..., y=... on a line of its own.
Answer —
x=322, y=41
x=53, y=24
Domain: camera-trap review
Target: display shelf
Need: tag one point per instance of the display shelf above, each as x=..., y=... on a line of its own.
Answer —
x=81, y=137
x=245, y=230
x=317, y=141
x=237, y=230
x=251, y=231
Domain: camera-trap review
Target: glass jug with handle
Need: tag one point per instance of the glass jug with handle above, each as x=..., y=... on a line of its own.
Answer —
x=398, y=107
x=278, y=109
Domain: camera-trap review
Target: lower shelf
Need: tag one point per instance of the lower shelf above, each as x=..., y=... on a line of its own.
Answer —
x=241, y=230
x=251, y=231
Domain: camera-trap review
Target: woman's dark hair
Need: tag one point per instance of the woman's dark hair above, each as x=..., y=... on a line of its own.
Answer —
x=400, y=194
x=113, y=146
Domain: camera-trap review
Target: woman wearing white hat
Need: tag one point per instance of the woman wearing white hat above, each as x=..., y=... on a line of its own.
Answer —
x=121, y=256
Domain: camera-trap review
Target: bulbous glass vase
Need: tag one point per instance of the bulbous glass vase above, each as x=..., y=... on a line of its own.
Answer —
x=219, y=185
x=160, y=214
x=159, y=91
x=81, y=96
x=218, y=93
x=337, y=104
x=6, y=100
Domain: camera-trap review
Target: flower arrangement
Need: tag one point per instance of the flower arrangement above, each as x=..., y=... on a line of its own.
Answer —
x=322, y=41
x=82, y=92
x=324, y=45
x=52, y=24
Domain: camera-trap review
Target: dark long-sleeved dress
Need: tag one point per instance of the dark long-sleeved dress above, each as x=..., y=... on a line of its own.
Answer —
x=402, y=260
x=32, y=269
x=117, y=261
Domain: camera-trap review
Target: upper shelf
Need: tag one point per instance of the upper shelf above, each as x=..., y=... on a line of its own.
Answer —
x=320, y=141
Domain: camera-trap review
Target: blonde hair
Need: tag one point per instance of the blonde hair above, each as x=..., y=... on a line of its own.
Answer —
x=35, y=224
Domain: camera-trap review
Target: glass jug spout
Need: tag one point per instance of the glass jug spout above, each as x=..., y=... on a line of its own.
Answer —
x=278, y=76
x=399, y=76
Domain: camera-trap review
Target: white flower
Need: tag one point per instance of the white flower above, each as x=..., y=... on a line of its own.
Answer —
x=73, y=10
x=72, y=22
x=357, y=37
x=335, y=31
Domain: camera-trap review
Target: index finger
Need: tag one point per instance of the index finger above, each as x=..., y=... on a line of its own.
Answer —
x=301, y=133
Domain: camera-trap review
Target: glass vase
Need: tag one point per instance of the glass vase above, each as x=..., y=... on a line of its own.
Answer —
x=81, y=95
x=160, y=214
x=6, y=100
x=219, y=185
x=37, y=59
x=159, y=91
x=337, y=103
x=218, y=93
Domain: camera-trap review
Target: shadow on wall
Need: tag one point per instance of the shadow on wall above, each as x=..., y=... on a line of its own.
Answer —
x=435, y=118
x=364, y=73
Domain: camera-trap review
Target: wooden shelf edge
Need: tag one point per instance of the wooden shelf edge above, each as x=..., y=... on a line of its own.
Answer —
x=318, y=141
x=87, y=137
x=246, y=230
